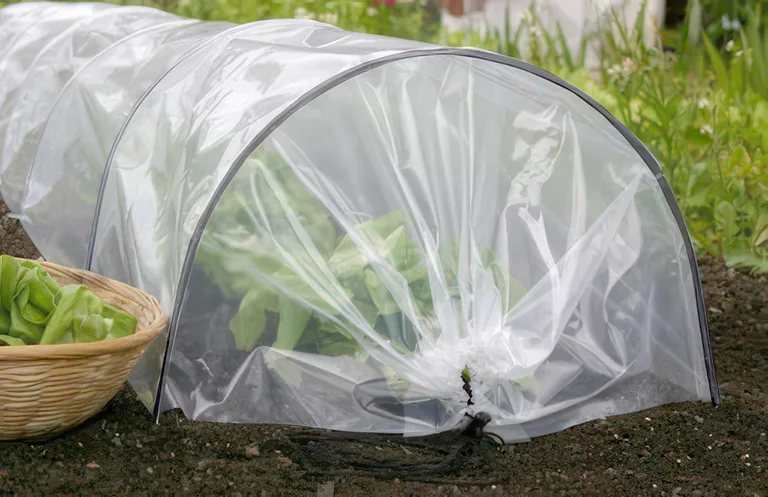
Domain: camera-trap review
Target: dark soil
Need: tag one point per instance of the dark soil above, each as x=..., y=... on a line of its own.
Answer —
x=682, y=449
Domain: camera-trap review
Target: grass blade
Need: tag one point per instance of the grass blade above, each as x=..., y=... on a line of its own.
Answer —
x=718, y=64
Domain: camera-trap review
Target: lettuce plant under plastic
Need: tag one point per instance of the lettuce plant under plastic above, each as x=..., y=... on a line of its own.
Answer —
x=348, y=231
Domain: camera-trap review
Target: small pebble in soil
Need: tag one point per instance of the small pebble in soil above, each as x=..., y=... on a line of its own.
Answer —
x=326, y=489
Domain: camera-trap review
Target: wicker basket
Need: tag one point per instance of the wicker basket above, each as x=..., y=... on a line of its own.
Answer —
x=46, y=390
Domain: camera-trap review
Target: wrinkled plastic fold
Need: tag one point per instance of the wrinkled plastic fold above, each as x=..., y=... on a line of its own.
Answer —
x=352, y=232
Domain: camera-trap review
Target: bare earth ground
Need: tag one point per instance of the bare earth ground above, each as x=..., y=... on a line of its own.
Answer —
x=684, y=449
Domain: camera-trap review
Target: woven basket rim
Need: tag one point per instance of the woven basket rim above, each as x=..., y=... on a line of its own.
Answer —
x=142, y=336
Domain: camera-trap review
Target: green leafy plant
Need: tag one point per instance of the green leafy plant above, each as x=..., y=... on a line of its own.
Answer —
x=35, y=309
x=702, y=111
x=273, y=247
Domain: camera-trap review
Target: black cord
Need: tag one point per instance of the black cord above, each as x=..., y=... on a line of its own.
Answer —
x=467, y=389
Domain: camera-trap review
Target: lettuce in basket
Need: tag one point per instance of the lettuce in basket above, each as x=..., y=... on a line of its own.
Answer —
x=35, y=309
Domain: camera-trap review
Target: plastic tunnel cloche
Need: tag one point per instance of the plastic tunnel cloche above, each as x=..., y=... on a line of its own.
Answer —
x=348, y=231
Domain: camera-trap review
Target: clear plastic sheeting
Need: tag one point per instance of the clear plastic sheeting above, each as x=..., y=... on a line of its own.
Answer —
x=185, y=135
x=462, y=213
x=26, y=30
x=354, y=232
x=68, y=46
x=69, y=169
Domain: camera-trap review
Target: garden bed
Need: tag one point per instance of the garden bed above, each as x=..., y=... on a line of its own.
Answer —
x=681, y=449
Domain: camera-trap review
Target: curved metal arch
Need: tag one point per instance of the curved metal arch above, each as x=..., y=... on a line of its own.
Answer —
x=344, y=76
x=81, y=70
x=119, y=137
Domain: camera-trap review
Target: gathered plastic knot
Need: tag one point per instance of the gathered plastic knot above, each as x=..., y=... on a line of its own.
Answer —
x=477, y=423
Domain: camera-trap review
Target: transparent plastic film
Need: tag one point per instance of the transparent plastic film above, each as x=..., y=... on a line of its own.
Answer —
x=56, y=49
x=435, y=231
x=184, y=136
x=17, y=18
x=347, y=231
x=26, y=30
x=70, y=161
